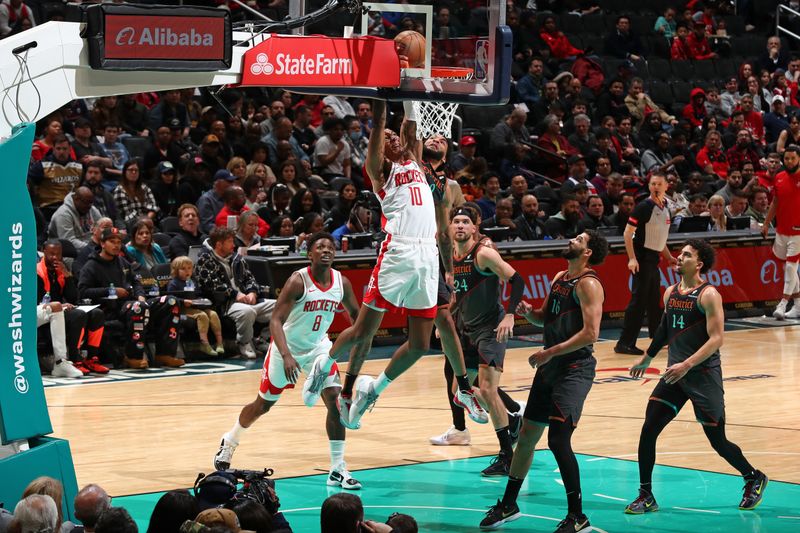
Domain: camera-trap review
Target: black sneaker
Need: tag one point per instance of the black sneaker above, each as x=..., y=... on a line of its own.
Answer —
x=499, y=466
x=645, y=503
x=514, y=425
x=498, y=514
x=753, y=491
x=574, y=523
x=628, y=350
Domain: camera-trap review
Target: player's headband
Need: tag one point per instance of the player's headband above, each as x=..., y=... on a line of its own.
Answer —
x=464, y=211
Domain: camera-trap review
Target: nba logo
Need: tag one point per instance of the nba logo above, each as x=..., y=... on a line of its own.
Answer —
x=481, y=59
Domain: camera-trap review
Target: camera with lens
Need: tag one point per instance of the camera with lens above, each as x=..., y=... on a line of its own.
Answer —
x=221, y=488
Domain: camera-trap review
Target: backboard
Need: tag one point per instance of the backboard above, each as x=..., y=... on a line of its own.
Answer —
x=461, y=37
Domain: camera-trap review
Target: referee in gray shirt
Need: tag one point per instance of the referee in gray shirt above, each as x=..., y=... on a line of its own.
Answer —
x=645, y=238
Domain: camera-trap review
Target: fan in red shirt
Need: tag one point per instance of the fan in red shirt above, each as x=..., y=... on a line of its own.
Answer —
x=235, y=200
x=695, y=110
x=753, y=120
x=697, y=43
x=787, y=230
x=559, y=45
x=710, y=158
x=744, y=150
x=679, y=49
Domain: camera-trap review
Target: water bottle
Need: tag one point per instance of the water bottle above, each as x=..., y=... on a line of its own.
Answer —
x=112, y=292
x=189, y=287
x=46, y=298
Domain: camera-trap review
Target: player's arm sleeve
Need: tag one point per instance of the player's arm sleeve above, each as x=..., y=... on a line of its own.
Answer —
x=659, y=338
x=517, y=289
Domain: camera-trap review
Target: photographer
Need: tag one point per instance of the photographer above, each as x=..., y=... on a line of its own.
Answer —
x=360, y=220
x=344, y=513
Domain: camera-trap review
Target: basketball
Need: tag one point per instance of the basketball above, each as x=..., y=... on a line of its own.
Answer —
x=412, y=45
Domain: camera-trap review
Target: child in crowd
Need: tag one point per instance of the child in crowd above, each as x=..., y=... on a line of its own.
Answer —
x=182, y=268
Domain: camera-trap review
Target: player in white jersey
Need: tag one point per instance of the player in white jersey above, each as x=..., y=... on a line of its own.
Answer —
x=405, y=278
x=299, y=326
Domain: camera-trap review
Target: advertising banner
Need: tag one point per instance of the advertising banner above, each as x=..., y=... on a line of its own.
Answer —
x=319, y=61
x=159, y=38
x=746, y=276
x=23, y=409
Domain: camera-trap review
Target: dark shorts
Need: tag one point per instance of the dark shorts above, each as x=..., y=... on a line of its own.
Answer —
x=443, y=292
x=481, y=348
x=559, y=390
x=703, y=387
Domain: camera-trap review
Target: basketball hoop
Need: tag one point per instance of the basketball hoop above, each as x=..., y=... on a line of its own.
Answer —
x=436, y=118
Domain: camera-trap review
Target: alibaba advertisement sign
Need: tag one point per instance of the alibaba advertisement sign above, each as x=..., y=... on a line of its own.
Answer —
x=318, y=61
x=747, y=276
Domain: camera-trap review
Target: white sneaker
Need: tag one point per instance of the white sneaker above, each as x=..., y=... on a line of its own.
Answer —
x=222, y=460
x=451, y=437
x=340, y=477
x=344, y=405
x=521, y=410
x=780, y=310
x=246, y=349
x=312, y=388
x=65, y=369
x=364, y=398
x=794, y=312
x=469, y=403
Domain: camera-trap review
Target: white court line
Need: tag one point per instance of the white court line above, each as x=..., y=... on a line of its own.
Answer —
x=609, y=497
x=596, y=459
x=559, y=481
x=790, y=517
x=696, y=510
x=489, y=480
x=747, y=452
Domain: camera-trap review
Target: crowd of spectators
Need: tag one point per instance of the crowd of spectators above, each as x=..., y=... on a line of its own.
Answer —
x=155, y=174
x=40, y=510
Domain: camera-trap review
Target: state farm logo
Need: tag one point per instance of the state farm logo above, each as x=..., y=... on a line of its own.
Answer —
x=262, y=66
x=158, y=36
x=315, y=65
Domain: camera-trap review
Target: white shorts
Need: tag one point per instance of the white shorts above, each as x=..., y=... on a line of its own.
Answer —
x=786, y=247
x=405, y=278
x=273, y=377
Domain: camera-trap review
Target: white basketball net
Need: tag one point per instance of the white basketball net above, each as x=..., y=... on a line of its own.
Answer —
x=434, y=118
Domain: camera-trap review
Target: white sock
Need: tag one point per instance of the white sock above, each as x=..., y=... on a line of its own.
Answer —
x=797, y=301
x=327, y=365
x=381, y=383
x=337, y=453
x=235, y=434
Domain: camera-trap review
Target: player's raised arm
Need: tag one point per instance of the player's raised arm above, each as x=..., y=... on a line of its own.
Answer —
x=408, y=132
x=443, y=238
x=376, y=162
x=349, y=301
x=292, y=291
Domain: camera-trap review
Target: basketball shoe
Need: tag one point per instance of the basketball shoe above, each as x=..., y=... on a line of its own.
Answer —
x=514, y=426
x=64, y=368
x=340, y=477
x=452, y=437
x=499, y=467
x=794, y=312
x=345, y=403
x=574, y=523
x=780, y=310
x=753, y=491
x=499, y=514
x=364, y=399
x=222, y=461
x=644, y=503
x=467, y=401
x=312, y=388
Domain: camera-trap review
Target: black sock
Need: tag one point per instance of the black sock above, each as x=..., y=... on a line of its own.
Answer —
x=512, y=491
x=574, y=505
x=646, y=487
x=504, y=437
x=349, y=381
x=459, y=420
x=463, y=383
x=510, y=403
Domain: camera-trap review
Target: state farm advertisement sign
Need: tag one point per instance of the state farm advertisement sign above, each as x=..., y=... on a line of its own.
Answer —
x=161, y=38
x=142, y=37
x=319, y=61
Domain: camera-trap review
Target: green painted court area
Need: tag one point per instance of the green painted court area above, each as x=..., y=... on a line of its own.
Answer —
x=451, y=496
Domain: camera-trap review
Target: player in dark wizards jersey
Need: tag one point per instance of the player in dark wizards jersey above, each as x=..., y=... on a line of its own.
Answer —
x=692, y=326
x=483, y=324
x=570, y=316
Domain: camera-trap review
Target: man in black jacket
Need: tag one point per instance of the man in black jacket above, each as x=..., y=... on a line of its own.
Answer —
x=564, y=224
x=108, y=279
x=222, y=274
x=529, y=226
x=57, y=281
x=189, y=235
x=594, y=215
x=622, y=43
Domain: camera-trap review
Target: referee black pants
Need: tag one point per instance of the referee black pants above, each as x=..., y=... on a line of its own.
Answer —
x=645, y=298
